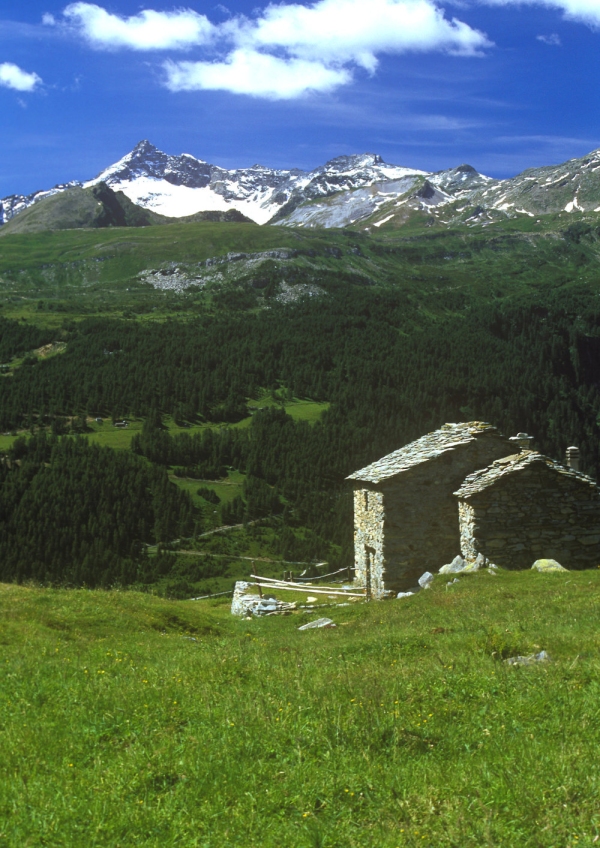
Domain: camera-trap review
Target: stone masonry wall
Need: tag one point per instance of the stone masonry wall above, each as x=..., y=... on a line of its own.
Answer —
x=421, y=516
x=467, y=523
x=533, y=514
x=368, y=540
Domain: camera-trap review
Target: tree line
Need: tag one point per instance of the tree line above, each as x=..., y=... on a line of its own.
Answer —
x=390, y=369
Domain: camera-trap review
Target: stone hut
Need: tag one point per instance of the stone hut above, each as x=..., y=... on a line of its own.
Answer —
x=405, y=510
x=526, y=507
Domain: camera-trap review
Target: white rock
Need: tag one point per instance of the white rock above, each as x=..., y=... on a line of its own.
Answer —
x=454, y=567
x=320, y=622
x=480, y=562
x=425, y=580
x=543, y=656
x=547, y=565
x=246, y=602
x=405, y=594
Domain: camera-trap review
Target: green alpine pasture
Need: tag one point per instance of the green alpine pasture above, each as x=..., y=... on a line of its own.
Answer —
x=128, y=720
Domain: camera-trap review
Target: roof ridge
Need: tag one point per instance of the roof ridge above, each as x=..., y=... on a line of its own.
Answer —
x=427, y=447
x=485, y=477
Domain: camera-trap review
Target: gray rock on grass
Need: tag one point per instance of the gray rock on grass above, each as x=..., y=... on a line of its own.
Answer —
x=459, y=565
x=425, y=580
x=455, y=567
x=480, y=562
x=320, y=622
x=532, y=659
x=546, y=566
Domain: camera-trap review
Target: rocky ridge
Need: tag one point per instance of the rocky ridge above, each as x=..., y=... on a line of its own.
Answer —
x=359, y=190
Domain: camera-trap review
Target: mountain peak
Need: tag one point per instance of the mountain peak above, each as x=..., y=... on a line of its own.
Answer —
x=352, y=161
x=144, y=146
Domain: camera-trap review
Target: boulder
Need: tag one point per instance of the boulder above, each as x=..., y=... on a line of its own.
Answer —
x=547, y=565
x=480, y=562
x=246, y=603
x=455, y=567
x=425, y=580
x=463, y=566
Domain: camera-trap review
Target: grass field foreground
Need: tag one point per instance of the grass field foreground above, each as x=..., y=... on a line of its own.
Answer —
x=129, y=720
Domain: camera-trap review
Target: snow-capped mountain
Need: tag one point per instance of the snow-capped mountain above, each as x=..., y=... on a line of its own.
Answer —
x=348, y=190
x=177, y=186
x=382, y=201
x=182, y=185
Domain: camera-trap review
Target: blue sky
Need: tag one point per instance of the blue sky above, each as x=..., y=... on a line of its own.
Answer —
x=500, y=84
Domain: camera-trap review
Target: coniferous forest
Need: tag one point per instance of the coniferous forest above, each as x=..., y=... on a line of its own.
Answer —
x=391, y=361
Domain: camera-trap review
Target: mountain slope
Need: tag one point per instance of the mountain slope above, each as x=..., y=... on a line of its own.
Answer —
x=97, y=206
x=360, y=190
x=78, y=208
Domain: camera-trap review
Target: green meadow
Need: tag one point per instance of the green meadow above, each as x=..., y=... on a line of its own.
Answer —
x=130, y=720
x=119, y=438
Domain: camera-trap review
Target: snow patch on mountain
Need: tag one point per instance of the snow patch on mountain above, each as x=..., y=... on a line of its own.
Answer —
x=177, y=201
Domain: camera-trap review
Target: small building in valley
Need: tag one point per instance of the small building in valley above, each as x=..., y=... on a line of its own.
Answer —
x=463, y=488
x=527, y=506
x=405, y=510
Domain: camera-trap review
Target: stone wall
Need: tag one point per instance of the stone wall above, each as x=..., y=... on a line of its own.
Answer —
x=421, y=530
x=533, y=513
x=467, y=528
x=368, y=540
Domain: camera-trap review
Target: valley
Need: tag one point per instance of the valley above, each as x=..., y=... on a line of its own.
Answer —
x=265, y=364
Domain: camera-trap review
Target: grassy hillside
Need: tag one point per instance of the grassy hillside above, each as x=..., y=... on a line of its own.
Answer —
x=97, y=207
x=130, y=720
x=44, y=275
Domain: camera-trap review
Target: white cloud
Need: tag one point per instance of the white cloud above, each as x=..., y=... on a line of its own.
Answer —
x=256, y=74
x=149, y=30
x=357, y=30
x=285, y=49
x=553, y=39
x=11, y=76
x=583, y=11
x=48, y=19
x=316, y=45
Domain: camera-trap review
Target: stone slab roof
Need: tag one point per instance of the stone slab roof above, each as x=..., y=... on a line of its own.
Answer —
x=448, y=437
x=502, y=468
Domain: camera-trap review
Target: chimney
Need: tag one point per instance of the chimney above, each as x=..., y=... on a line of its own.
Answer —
x=572, y=458
x=523, y=441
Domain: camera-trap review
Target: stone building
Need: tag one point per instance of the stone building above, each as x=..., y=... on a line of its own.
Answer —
x=405, y=510
x=525, y=507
